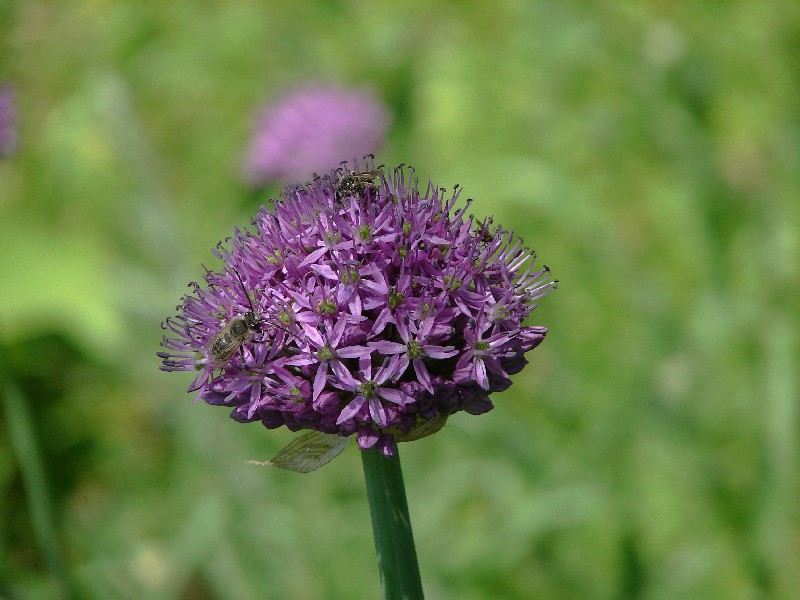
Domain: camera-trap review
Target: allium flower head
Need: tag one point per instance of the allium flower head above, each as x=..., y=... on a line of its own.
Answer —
x=360, y=305
x=8, y=122
x=310, y=129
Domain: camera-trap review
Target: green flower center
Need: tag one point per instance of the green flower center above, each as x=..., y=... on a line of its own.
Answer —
x=349, y=276
x=452, y=283
x=425, y=309
x=326, y=307
x=396, y=299
x=415, y=350
x=367, y=389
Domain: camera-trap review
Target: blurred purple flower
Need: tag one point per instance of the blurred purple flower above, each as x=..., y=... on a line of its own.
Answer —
x=8, y=121
x=360, y=306
x=314, y=128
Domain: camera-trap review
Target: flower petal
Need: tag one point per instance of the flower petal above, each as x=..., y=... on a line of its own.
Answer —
x=352, y=409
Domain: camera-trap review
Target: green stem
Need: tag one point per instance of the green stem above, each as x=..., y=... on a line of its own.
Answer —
x=23, y=441
x=391, y=526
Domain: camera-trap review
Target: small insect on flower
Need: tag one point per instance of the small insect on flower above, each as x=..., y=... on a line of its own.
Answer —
x=485, y=235
x=355, y=183
x=239, y=330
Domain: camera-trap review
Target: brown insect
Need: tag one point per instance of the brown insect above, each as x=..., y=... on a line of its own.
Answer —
x=239, y=330
x=484, y=234
x=354, y=183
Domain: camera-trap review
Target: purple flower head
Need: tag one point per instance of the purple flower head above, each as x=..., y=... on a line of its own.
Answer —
x=310, y=129
x=8, y=121
x=376, y=310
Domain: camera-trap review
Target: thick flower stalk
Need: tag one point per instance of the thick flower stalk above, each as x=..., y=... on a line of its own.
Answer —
x=360, y=305
x=311, y=128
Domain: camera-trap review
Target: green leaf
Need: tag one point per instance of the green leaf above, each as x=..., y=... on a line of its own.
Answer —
x=424, y=429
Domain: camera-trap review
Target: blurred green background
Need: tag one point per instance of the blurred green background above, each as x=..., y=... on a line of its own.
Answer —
x=649, y=152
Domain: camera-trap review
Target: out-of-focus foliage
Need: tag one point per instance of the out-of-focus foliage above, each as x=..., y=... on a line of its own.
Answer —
x=648, y=151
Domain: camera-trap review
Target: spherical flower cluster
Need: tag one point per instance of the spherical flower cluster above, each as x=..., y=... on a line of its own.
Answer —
x=360, y=305
x=311, y=128
x=8, y=121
